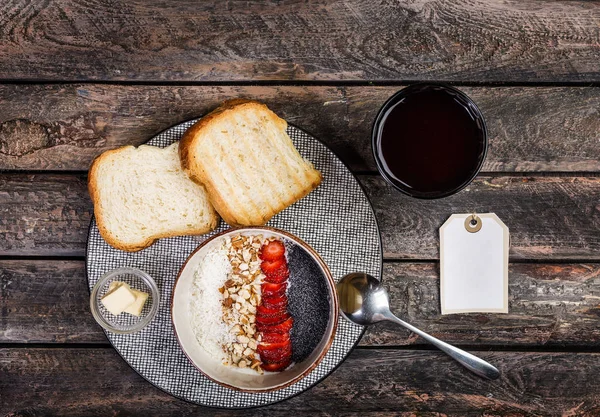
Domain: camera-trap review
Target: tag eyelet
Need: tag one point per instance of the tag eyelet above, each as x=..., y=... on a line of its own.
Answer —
x=473, y=223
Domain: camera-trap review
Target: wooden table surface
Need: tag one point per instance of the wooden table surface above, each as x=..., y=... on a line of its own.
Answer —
x=78, y=77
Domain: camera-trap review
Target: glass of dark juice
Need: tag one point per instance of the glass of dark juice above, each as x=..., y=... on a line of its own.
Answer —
x=429, y=140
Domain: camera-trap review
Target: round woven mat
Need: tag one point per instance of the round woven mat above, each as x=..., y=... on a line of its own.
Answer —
x=336, y=220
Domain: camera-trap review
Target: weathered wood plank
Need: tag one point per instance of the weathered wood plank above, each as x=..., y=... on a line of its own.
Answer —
x=63, y=127
x=46, y=302
x=72, y=382
x=44, y=215
x=294, y=40
x=549, y=217
x=550, y=305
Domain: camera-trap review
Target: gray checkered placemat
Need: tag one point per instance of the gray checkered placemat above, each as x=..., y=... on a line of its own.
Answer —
x=336, y=220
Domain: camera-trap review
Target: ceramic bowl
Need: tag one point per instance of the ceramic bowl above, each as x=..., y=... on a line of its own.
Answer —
x=312, y=304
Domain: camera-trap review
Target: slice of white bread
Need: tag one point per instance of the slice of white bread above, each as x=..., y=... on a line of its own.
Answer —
x=142, y=194
x=243, y=156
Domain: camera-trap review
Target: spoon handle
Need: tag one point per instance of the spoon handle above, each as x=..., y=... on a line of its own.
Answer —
x=471, y=362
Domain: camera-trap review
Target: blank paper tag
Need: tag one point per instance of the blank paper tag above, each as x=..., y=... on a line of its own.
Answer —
x=474, y=264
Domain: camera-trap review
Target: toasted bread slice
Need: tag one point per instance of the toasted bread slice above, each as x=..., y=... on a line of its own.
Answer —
x=243, y=156
x=142, y=194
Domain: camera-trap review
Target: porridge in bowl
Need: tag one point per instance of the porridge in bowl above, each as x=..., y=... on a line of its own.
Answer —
x=254, y=309
x=245, y=279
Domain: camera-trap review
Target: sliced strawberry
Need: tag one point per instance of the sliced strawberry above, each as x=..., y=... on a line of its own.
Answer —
x=272, y=251
x=283, y=327
x=284, y=344
x=275, y=303
x=278, y=276
x=268, y=337
x=262, y=311
x=269, y=289
x=276, y=367
x=274, y=319
x=271, y=266
x=271, y=324
x=276, y=355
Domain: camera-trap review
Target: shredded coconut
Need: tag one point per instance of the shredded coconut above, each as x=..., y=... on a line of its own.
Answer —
x=205, y=303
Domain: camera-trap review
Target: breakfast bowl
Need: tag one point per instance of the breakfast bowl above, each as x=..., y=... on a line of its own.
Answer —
x=218, y=309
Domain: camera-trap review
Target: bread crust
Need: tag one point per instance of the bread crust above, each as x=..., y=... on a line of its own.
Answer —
x=190, y=163
x=99, y=213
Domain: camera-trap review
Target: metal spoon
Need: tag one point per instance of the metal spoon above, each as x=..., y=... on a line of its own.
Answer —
x=364, y=301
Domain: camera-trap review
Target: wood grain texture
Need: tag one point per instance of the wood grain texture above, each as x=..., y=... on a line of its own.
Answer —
x=44, y=215
x=46, y=302
x=72, y=382
x=550, y=305
x=63, y=127
x=549, y=217
x=464, y=40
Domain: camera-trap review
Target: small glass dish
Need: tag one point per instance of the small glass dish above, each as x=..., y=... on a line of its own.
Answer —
x=125, y=323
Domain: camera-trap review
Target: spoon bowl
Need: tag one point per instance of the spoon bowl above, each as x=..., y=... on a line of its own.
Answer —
x=363, y=300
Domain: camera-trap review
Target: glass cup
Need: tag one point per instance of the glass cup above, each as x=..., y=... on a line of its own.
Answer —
x=429, y=141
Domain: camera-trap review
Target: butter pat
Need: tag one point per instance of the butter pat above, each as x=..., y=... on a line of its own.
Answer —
x=134, y=308
x=118, y=300
x=138, y=304
x=113, y=286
